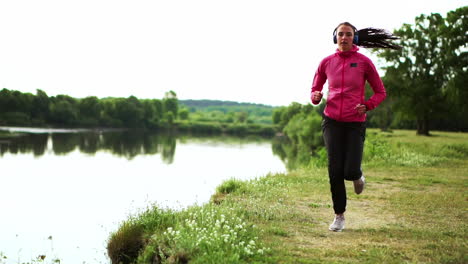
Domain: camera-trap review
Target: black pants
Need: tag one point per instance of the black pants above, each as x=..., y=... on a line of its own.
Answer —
x=345, y=143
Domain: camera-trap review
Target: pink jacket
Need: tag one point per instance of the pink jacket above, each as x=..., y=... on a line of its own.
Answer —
x=347, y=73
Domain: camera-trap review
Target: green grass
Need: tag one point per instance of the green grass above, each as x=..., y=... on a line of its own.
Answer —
x=200, y=234
x=413, y=210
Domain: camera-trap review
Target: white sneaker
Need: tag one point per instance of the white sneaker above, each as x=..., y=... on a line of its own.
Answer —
x=359, y=185
x=338, y=223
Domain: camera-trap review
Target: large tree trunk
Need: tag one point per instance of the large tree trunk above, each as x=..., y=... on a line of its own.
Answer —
x=422, y=126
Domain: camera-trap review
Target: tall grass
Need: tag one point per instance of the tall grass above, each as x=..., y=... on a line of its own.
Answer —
x=199, y=234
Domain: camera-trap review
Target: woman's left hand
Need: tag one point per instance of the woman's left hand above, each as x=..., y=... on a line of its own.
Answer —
x=361, y=109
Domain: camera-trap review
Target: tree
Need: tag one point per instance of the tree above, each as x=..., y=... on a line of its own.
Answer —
x=130, y=111
x=277, y=113
x=170, y=103
x=15, y=101
x=282, y=115
x=149, y=113
x=63, y=111
x=241, y=117
x=89, y=107
x=457, y=56
x=424, y=73
x=89, y=111
x=41, y=106
x=184, y=114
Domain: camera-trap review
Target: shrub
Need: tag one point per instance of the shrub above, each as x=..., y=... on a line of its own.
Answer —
x=230, y=186
x=125, y=244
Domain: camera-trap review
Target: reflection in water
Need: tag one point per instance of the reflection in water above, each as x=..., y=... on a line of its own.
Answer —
x=36, y=143
x=294, y=156
x=127, y=144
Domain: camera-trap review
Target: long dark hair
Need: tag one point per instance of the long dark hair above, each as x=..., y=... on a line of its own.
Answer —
x=371, y=37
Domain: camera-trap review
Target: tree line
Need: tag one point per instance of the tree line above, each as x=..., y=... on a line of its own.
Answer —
x=168, y=113
x=27, y=109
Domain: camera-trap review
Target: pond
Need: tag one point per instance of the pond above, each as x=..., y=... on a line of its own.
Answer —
x=63, y=192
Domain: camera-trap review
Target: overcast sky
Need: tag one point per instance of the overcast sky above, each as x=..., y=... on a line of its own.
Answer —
x=259, y=51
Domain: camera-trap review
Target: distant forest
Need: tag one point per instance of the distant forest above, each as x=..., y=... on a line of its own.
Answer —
x=228, y=111
x=205, y=103
x=203, y=116
x=27, y=109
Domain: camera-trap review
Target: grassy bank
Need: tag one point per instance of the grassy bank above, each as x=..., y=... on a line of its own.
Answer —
x=413, y=210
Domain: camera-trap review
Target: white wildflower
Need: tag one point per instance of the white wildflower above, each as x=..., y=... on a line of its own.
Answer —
x=248, y=251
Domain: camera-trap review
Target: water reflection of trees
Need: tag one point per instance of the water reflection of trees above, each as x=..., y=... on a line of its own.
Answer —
x=126, y=144
x=295, y=156
x=292, y=155
x=35, y=143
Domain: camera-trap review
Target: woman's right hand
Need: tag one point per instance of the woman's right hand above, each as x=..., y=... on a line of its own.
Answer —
x=317, y=97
